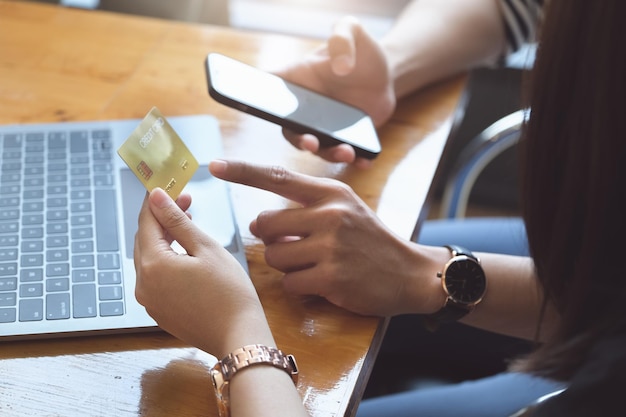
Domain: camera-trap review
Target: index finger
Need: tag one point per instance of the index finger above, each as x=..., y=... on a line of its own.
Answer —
x=303, y=189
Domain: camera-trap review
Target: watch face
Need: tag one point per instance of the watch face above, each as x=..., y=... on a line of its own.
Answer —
x=465, y=280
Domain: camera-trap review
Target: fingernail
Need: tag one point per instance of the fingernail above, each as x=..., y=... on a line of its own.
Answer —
x=342, y=65
x=160, y=198
x=218, y=166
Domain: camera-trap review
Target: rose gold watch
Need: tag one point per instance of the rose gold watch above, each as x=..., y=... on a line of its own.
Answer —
x=241, y=358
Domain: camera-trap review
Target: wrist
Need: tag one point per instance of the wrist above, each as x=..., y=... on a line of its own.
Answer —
x=424, y=292
x=244, y=324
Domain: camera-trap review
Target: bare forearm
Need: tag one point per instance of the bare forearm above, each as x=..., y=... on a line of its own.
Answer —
x=512, y=304
x=434, y=39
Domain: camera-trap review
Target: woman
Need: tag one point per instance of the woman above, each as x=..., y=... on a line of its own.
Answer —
x=569, y=297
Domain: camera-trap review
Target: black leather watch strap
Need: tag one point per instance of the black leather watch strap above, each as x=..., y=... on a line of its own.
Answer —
x=449, y=313
x=460, y=251
x=452, y=310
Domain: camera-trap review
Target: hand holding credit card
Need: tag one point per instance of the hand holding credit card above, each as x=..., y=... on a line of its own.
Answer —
x=158, y=156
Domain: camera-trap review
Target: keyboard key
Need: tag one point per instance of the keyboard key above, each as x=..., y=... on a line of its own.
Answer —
x=34, y=148
x=8, y=299
x=31, y=290
x=33, y=170
x=82, y=246
x=57, y=241
x=56, y=202
x=106, y=221
x=110, y=293
x=82, y=261
x=59, y=227
x=32, y=206
x=8, y=254
x=109, y=277
x=31, y=275
x=84, y=300
x=79, y=142
x=31, y=309
x=80, y=171
x=32, y=246
x=32, y=219
x=81, y=220
x=83, y=275
x=8, y=284
x=31, y=260
x=57, y=270
x=82, y=233
x=57, y=178
x=7, y=177
x=32, y=233
x=10, y=240
x=9, y=214
x=58, y=306
x=9, y=189
x=80, y=182
x=108, y=261
x=58, y=284
x=7, y=315
x=57, y=189
x=12, y=140
x=80, y=207
x=8, y=268
x=80, y=195
x=57, y=255
x=34, y=182
x=11, y=166
x=7, y=155
x=103, y=180
x=111, y=309
x=57, y=140
x=53, y=215
x=79, y=159
x=33, y=159
x=57, y=166
x=9, y=201
x=10, y=227
x=56, y=156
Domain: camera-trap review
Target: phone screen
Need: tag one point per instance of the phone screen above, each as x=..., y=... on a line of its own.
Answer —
x=269, y=96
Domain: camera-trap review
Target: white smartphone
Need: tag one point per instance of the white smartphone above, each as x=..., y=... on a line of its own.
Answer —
x=272, y=98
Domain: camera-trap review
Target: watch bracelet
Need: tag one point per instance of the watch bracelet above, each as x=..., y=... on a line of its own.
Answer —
x=255, y=354
x=242, y=358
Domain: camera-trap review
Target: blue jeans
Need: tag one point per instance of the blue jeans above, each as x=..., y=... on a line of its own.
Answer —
x=456, y=351
x=500, y=395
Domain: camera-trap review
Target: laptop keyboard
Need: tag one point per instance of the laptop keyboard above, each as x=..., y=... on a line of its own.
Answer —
x=59, y=249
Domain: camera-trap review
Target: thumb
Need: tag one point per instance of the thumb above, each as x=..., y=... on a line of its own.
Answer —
x=342, y=46
x=175, y=222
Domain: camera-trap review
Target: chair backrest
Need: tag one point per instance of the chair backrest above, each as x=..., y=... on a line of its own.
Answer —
x=481, y=150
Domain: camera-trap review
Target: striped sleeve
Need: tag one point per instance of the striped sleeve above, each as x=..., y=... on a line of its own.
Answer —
x=521, y=21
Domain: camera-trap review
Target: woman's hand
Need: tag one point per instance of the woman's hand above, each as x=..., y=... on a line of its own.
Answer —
x=334, y=246
x=350, y=67
x=203, y=297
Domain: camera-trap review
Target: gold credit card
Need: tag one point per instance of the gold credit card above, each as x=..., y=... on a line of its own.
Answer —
x=158, y=156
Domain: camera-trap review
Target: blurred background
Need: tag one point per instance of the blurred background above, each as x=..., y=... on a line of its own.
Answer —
x=492, y=93
x=311, y=18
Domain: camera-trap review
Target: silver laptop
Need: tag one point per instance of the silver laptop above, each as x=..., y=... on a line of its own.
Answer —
x=68, y=216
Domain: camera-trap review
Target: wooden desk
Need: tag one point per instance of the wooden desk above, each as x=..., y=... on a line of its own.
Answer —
x=62, y=64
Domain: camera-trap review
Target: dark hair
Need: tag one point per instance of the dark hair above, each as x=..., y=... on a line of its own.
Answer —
x=573, y=159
